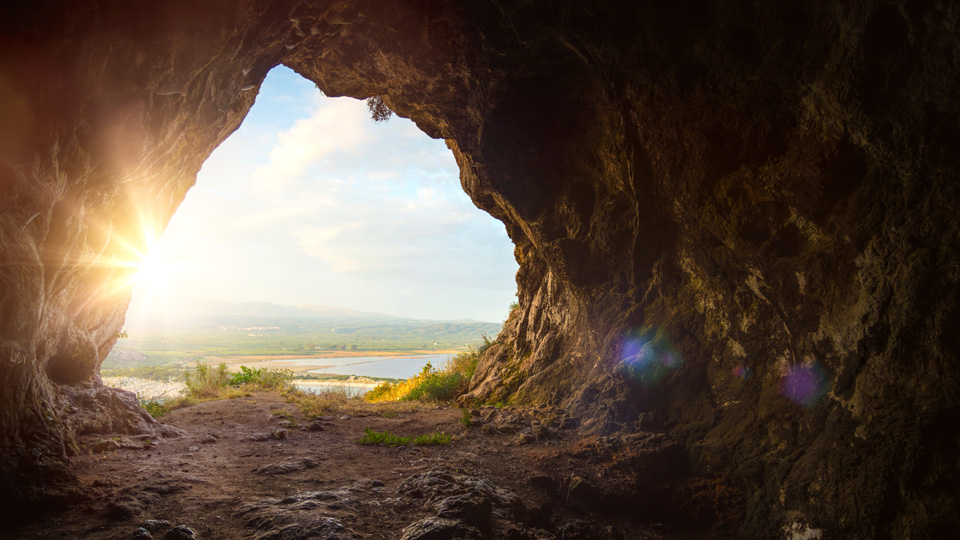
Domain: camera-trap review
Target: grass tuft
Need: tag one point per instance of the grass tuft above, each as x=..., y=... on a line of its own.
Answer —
x=382, y=438
x=385, y=438
x=433, y=439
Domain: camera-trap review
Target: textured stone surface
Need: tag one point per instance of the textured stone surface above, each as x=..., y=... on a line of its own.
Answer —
x=754, y=203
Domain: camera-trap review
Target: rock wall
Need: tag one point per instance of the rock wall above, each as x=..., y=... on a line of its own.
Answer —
x=736, y=223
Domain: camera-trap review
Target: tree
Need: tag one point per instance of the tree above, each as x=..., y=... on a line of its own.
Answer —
x=378, y=109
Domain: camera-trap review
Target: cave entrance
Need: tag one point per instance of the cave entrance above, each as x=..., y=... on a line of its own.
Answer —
x=310, y=203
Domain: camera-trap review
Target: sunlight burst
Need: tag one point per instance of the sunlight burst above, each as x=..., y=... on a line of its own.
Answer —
x=153, y=270
x=142, y=264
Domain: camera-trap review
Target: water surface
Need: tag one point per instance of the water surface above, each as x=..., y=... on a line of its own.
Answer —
x=395, y=367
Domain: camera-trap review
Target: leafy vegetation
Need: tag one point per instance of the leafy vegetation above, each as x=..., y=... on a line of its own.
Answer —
x=379, y=111
x=265, y=379
x=435, y=385
x=429, y=385
x=206, y=382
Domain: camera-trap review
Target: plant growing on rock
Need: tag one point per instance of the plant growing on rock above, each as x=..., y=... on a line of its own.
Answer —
x=378, y=109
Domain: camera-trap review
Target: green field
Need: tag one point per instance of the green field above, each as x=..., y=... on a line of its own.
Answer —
x=163, y=355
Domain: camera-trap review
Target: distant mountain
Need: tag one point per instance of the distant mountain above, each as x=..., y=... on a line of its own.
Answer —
x=180, y=313
x=200, y=307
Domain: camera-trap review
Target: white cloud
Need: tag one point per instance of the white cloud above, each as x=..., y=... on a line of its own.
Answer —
x=337, y=126
x=318, y=242
x=292, y=209
x=339, y=210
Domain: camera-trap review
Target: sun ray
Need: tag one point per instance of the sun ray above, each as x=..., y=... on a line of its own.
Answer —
x=132, y=252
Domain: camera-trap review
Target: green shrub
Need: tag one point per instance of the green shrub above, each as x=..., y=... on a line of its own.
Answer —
x=464, y=363
x=381, y=392
x=440, y=387
x=382, y=438
x=266, y=379
x=205, y=382
x=245, y=375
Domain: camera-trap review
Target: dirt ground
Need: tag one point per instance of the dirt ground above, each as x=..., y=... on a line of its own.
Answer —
x=253, y=467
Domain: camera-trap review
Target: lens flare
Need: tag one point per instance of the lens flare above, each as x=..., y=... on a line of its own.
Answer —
x=804, y=384
x=743, y=372
x=648, y=356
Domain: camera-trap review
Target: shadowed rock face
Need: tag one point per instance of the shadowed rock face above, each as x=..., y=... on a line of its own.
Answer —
x=735, y=223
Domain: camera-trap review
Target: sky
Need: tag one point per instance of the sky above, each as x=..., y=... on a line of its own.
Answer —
x=312, y=202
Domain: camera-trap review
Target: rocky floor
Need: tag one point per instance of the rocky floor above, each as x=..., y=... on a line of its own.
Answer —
x=254, y=468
